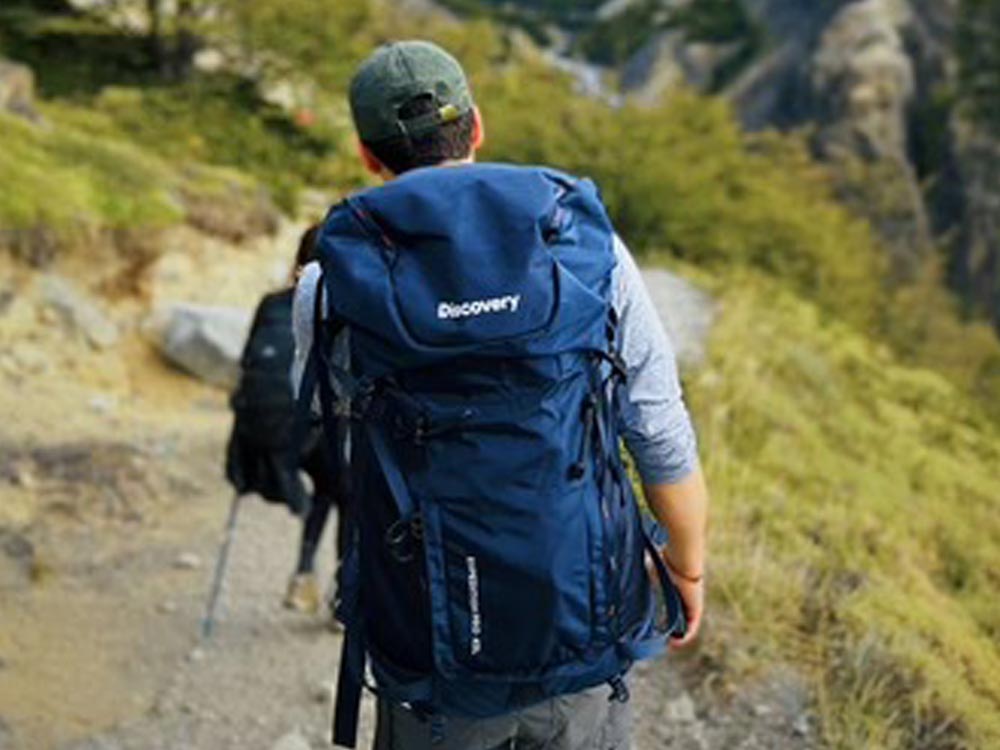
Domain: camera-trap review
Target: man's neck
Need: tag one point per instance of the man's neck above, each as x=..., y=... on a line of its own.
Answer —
x=388, y=176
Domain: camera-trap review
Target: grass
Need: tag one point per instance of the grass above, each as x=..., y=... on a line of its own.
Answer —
x=221, y=120
x=855, y=523
x=66, y=179
x=74, y=182
x=91, y=69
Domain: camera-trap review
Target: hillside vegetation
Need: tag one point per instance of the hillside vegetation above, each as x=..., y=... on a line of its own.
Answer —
x=849, y=426
x=855, y=523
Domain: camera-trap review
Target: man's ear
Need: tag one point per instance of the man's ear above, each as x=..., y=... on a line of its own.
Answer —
x=478, y=130
x=371, y=162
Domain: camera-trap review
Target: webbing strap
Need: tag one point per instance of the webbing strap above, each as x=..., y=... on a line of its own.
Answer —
x=405, y=506
x=350, y=683
x=676, y=623
x=647, y=648
x=319, y=368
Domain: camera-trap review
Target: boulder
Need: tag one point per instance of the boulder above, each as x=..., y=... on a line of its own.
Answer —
x=686, y=311
x=861, y=84
x=78, y=311
x=655, y=69
x=670, y=60
x=204, y=341
x=767, y=93
x=17, y=90
x=862, y=81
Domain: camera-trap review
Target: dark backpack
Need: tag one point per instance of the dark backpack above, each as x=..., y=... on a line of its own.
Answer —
x=263, y=401
x=262, y=455
x=499, y=556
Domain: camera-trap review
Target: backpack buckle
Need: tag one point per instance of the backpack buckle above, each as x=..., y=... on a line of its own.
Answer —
x=619, y=690
x=363, y=404
x=402, y=537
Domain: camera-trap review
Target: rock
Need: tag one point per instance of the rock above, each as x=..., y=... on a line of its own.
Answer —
x=7, y=297
x=22, y=475
x=17, y=90
x=166, y=607
x=17, y=546
x=680, y=710
x=103, y=403
x=589, y=79
x=17, y=560
x=292, y=741
x=655, y=69
x=686, y=311
x=861, y=84
x=78, y=311
x=187, y=561
x=977, y=263
x=196, y=655
x=205, y=341
x=29, y=359
x=702, y=61
x=324, y=692
x=801, y=726
x=863, y=80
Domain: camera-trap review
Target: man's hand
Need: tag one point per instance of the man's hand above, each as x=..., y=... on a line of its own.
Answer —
x=682, y=509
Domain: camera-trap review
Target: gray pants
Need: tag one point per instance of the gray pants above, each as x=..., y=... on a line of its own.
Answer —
x=584, y=721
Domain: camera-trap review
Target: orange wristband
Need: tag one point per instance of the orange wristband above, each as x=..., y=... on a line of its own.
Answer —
x=683, y=576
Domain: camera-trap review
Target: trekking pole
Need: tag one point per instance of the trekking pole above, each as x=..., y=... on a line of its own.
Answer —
x=208, y=622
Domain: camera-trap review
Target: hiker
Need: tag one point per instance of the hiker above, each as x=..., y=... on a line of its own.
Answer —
x=261, y=453
x=500, y=342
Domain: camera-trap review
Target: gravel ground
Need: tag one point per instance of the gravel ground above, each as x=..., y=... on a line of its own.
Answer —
x=99, y=644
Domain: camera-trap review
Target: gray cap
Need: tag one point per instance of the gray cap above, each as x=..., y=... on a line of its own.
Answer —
x=396, y=74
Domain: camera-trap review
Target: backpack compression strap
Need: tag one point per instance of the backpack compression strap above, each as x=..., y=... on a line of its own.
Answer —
x=675, y=624
x=319, y=369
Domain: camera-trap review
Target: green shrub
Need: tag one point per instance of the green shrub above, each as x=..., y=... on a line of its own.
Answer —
x=66, y=180
x=683, y=177
x=221, y=120
x=75, y=181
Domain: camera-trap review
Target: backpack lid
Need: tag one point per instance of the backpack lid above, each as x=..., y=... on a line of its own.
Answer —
x=489, y=259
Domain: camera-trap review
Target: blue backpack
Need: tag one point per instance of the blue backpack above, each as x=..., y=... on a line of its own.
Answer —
x=499, y=554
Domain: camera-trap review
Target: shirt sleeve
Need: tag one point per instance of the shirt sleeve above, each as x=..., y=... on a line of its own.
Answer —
x=303, y=310
x=657, y=428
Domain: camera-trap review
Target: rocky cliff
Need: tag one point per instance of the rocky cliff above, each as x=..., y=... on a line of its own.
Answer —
x=876, y=83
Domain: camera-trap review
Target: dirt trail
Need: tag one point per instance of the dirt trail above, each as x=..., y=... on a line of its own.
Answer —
x=111, y=509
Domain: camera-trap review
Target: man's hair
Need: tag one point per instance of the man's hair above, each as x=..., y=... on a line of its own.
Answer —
x=451, y=140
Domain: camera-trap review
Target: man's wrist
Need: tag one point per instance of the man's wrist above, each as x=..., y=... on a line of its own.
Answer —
x=683, y=575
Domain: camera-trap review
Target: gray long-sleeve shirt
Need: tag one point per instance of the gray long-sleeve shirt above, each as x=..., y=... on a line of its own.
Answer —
x=657, y=428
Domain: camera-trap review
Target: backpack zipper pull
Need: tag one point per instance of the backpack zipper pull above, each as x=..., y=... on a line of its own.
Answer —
x=579, y=468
